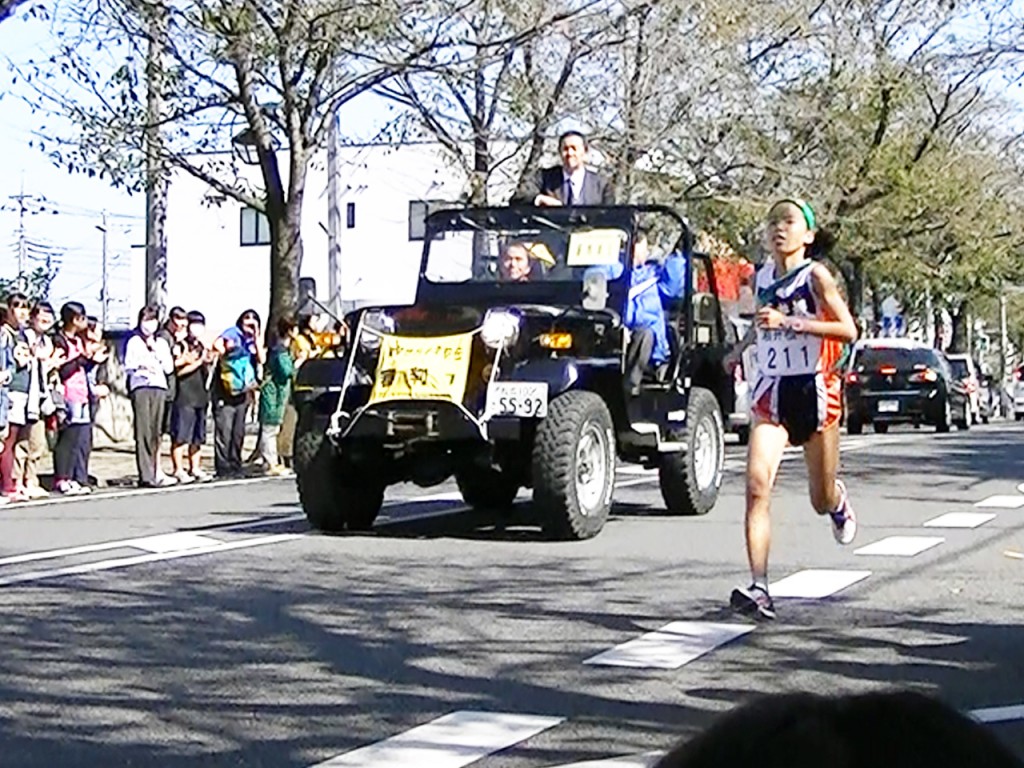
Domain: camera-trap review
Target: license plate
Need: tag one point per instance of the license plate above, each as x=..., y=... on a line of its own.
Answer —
x=888, y=406
x=518, y=398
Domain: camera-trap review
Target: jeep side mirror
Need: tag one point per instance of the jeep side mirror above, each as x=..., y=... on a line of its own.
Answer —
x=595, y=290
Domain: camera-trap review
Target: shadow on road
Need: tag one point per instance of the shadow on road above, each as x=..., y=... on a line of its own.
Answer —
x=272, y=669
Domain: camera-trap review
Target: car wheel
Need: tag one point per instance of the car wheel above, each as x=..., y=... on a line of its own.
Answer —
x=881, y=428
x=854, y=425
x=487, y=489
x=332, y=496
x=574, y=466
x=964, y=423
x=1019, y=416
x=743, y=433
x=690, y=480
x=945, y=417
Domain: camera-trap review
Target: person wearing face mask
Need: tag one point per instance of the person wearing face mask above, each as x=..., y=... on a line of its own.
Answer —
x=174, y=331
x=24, y=398
x=148, y=363
x=188, y=413
x=37, y=333
x=70, y=359
x=239, y=355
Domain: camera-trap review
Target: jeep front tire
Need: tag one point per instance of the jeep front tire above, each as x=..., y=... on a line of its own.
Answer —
x=332, y=497
x=574, y=466
x=690, y=480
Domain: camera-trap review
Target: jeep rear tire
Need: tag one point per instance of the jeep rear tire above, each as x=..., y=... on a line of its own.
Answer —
x=690, y=479
x=487, y=489
x=574, y=466
x=332, y=496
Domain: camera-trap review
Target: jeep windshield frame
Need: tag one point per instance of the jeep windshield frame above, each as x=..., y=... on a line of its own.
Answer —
x=555, y=291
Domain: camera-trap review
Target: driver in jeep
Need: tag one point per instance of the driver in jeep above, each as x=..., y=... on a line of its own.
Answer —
x=521, y=262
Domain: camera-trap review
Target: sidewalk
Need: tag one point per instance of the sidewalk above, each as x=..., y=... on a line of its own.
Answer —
x=113, y=465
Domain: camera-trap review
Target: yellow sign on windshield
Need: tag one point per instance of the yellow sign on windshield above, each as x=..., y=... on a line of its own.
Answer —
x=415, y=368
x=595, y=247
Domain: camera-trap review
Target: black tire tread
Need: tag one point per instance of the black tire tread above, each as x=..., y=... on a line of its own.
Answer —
x=330, y=501
x=554, y=454
x=676, y=479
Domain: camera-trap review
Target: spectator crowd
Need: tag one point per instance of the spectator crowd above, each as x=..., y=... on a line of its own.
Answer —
x=176, y=375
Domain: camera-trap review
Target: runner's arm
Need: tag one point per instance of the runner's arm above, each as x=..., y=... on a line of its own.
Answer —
x=841, y=327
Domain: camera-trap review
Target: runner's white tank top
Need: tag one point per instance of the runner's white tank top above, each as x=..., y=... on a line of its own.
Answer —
x=785, y=352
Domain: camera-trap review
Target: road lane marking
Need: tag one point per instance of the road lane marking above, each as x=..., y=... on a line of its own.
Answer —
x=124, y=562
x=900, y=546
x=452, y=741
x=960, y=520
x=816, y=584
x=670, y=647
x=644, y=760
x=1002, y=502
x=172, y=542
x=998, y=714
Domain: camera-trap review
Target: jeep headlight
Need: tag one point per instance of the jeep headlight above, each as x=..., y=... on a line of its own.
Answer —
x=500, y=329
x=376, y=321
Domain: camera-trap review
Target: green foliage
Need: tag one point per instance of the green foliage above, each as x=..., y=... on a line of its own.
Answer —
x=35, y=285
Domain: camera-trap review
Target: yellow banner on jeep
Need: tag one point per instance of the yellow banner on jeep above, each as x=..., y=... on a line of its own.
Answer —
x=418, y=368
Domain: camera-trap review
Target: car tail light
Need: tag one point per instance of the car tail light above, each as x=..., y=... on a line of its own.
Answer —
x=887, y=370
x=926, y=375
x=852, y=378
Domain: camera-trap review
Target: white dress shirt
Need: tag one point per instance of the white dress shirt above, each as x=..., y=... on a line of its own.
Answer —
x=575, y=180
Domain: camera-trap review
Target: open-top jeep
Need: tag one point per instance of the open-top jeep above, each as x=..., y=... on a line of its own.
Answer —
x=511, y=380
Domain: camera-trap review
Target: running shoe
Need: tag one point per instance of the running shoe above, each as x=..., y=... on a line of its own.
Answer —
x=844, y=521
x=754, y=601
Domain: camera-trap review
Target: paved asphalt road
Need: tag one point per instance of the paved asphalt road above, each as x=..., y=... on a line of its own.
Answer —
x=270, y=646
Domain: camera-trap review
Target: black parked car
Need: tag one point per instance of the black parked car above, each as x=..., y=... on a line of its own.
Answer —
x=896, y=381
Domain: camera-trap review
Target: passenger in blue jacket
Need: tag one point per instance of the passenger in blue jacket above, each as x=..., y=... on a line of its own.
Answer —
x=650, y=283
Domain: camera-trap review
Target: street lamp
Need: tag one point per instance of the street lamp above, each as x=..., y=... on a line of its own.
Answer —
x=246, y=144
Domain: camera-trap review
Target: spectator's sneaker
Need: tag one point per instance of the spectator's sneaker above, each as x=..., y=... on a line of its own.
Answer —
x=754, y=601
x=278, y=470
x=844, y=521
x=68, y=488
x=201, y=477
x=164, y=481
x=17, y=496
x=183, y=477
x=37, y=492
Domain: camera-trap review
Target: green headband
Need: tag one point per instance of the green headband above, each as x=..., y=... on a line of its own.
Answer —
x=805, y=209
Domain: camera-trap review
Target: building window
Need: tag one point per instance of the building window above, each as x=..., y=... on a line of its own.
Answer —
x=255, y=228
x=350, y=216
x=418, y=212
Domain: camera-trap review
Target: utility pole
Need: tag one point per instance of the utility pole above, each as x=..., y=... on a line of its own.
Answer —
x=156, y=171
x=104, y=294
x=333, y=217
x=22, y=200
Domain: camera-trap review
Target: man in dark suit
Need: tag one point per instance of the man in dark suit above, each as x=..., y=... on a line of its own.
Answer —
x=570, y=183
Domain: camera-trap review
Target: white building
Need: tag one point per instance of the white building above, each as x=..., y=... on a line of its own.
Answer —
x=218, y=253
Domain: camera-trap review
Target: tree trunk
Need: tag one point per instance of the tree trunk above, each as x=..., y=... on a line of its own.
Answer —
x=959, y=341
x=285, y=218
x=156, y=170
